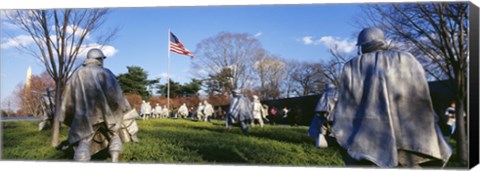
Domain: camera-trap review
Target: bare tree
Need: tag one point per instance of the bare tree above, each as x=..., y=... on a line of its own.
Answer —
x=270, y=71
x=332, y=69
x=308, y=78
x=59, y=37
x=437, y=34
x=287, y=85
x=29, y=101
x=8, y=105
x=233, y=52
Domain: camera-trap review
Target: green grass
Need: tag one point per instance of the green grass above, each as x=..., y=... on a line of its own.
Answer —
x=183, y=141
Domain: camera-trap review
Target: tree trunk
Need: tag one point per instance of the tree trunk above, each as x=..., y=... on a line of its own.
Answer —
x=56, y=116
x=461, y=135
x=288, y=88
x=462, y=151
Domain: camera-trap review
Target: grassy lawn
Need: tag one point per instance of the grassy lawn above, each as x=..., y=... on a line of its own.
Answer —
x=185, y=141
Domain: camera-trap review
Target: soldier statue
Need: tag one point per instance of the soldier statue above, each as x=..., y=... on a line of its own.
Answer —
x=322, y=119
x=384, y=114
x=240, y=111
x=47, y=105
x=258, y=112
x=207, y=111
x=183, y=111
x=93, y=106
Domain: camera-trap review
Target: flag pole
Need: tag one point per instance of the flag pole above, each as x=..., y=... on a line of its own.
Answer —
x=168, y=75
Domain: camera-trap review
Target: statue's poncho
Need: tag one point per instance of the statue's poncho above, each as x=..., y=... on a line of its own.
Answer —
x=208, y=110
x=384, y=106
x=129, y=124
x=47, y=109
x=157, y=110
x=92, y=96
x=257, y=109
x=240, y=109
x=143, y=108
x=183, y=110
x=325, y=104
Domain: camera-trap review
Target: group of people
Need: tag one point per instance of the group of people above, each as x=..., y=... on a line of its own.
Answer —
x=381, y=114
x=204, y=111
x=146, y=111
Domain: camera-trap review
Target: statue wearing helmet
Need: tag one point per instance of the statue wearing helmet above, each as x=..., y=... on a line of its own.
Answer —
x=95, y=54
x=323, y=118
x=258, y=114
x=94, y=106
x=240, y=111
x=183, y=110
x=199, y=112
x=384, y=115
x=371, y=39
x=47, y=105
x=207, y=111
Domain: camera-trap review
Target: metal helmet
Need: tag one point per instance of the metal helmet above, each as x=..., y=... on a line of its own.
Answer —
x=95, y=53
x=369, y=35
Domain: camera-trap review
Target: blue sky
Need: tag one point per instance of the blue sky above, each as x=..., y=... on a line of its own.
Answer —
x=301, y=32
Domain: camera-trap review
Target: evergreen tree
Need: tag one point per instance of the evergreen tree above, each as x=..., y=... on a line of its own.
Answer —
x=178, y=90
x=136, y=81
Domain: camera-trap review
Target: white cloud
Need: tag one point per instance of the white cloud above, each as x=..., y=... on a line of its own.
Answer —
x=164, y=76
x=258, y=34
x=70, y=28
x=107, y=50
x=307, y=40
x=5, y=13
x=214, y=69
x=202, y=72
x=22, y=40
x=343, y=45
x=9, y=26
x=196, y=71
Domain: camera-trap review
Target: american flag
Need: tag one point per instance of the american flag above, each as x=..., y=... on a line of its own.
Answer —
x=177, y=46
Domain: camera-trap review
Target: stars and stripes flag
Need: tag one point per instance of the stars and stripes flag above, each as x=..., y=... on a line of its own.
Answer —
x=177, y=46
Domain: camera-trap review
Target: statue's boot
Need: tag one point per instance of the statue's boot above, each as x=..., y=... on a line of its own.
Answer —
x=115, y=147
x=82, y=153
x=134, y=138
x=321, y=141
